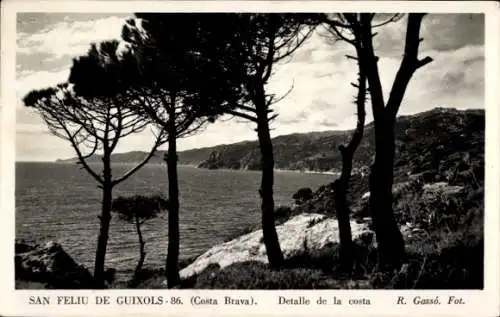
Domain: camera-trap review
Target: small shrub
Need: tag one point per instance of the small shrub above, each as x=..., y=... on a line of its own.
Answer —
x=148, y=279
x=303, y=195
x=324, y=259
x=137, y=209
x=282, y=213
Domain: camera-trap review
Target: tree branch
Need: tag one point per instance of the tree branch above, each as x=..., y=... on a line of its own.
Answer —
x=270, y=51
x=333, y=27
x=241, y=115
x=159, y=141
x=273, y=101
x=394, y=18
x=118, y=131
x=82, y=159
x=246, y=108
x=423, y=62
x=295, y=47
x=409, y=64
x=369, y=62
x=52, y=117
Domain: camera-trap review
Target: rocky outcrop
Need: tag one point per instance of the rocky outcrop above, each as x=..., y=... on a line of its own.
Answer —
x=301, y=235
x=51, y=265
x=416, y=206
x=322, y=200
x=214, y=161
x=441, y=188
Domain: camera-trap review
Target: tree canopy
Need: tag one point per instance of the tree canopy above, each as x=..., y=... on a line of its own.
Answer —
x=140, y=207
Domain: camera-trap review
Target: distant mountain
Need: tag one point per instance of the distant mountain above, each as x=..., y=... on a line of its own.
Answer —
x=128, y=157
x=440, y=131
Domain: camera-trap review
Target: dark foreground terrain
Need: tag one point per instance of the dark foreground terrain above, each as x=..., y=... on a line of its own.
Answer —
x=438, y=201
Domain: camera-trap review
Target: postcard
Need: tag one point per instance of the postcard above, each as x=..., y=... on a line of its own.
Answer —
x=250, y=158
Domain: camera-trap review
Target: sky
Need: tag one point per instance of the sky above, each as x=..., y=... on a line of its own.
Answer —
x=319, y=72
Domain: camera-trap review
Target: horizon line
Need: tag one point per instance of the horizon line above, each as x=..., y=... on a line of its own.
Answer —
x=249, y=140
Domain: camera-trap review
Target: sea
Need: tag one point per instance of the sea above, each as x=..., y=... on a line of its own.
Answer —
x=61, y=202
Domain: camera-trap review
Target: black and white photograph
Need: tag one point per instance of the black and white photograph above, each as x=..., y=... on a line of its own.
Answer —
x=250, y=150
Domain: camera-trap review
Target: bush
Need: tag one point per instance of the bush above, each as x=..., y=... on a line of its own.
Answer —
x=136, y=210
x=303, y=195
x=143, y=207
x=282, y=214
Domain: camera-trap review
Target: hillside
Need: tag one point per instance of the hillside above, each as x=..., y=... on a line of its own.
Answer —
x=447, y=130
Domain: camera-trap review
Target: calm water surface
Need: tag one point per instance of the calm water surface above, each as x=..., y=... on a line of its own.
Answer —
x=61, y=202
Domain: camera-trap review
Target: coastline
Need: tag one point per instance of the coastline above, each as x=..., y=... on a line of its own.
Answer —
x=196, y=166
x=279, y=170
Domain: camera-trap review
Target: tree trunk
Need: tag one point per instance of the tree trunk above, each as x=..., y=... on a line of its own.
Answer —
x=172, y=268
x=391, y=250
x=343, y=211
x=105, y=217
x=342, y=184
x=390, y=242
x=142, y=244
x=271, y=241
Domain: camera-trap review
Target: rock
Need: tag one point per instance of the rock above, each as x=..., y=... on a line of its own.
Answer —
x=214, y=161
x=409, y=230
x=300, y=235
x=417, y=230
x=442, y=188
x=323, y=199
x=428, y=176
x=253, y=166
x=50, y=264
x=21, y=247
